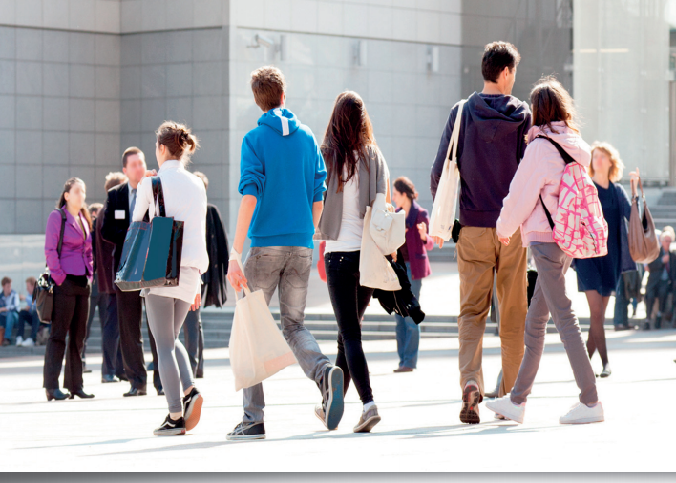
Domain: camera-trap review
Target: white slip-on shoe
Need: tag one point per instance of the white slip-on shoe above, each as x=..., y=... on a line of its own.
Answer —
x=581, y=413
x=27, y=343
x=506, y=408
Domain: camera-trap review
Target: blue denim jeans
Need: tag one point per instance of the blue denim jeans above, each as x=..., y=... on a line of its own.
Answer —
x=408, y=332
x=7, y=320
x=288, y=270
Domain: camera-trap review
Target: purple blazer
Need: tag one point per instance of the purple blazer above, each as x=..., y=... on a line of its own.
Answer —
x=76, y=253
x=417, y=250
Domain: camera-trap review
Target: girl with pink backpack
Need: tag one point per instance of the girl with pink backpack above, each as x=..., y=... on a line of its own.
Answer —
x=552, y=181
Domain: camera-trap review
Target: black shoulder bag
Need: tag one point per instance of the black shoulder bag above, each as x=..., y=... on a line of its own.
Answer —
x=43, y=293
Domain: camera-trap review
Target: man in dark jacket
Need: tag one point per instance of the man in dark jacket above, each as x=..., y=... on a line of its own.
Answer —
x=491, y=144
x=116, y=220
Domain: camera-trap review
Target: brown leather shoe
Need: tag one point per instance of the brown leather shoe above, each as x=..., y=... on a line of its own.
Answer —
x=403, y=369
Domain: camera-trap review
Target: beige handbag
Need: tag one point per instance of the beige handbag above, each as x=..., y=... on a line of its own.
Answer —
x=644, y=246
x=374, y=269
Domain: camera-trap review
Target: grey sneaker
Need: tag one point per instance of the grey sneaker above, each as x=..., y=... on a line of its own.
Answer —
x=333, y=404
x=367, y=420
x=245, y=431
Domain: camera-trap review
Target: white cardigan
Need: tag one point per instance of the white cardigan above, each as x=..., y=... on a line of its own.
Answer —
x=185, y=199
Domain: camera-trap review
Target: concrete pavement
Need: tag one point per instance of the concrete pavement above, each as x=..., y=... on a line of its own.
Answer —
x=420, y=430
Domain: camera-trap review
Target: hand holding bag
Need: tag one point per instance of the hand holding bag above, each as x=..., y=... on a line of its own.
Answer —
x=151, y=254
x=43, y=292
x=374, y=269
x=443, y=210
x=644, y=246
x=257, y=347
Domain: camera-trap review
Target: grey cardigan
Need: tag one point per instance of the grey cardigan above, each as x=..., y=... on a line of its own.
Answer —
x=371, y=182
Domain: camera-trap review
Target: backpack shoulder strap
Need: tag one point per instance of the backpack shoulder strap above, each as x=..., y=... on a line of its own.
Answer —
x=567, y=158
x=63, y=229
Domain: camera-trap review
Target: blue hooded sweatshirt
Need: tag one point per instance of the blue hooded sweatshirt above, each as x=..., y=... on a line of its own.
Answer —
x=283, y=168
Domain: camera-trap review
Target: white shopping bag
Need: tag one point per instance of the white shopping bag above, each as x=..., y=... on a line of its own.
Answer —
x=443, y=209
x=257, y=347
x=388, y=228
x=374, y=269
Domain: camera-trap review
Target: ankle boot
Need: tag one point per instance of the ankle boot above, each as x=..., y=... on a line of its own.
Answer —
x=57, y=394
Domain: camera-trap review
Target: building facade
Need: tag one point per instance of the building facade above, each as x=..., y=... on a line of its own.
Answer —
x=80, y=80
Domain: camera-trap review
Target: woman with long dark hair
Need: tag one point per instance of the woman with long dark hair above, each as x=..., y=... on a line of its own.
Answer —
x=414, y=251
x=357, y=174
x=72, y=270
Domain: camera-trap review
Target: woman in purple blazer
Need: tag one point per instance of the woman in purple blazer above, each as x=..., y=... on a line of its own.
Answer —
x=72, y=272
x=414, y=251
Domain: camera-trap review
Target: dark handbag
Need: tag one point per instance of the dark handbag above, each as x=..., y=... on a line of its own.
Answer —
x=151, y=254
x=43, y=292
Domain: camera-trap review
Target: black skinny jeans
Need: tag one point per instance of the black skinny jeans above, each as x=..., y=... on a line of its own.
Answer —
x=71, y=311
x=349, y=301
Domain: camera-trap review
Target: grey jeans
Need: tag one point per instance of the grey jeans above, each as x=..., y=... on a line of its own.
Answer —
x=288, y=269
x=550, y=296
x=165, y=318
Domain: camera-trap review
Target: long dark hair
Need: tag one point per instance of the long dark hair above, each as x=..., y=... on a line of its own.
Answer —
x=550, y=103
x=349, y=130
x=62, y=199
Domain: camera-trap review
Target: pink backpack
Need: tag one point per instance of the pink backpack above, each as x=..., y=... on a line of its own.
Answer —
x=579, y=227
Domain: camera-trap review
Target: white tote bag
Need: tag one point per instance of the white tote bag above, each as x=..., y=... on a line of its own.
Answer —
x=374, y=269
x=443, y=209
x=257, y=347
x=388, y=228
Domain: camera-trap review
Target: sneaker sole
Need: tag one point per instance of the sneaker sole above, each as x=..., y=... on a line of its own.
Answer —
x=501, y=412
x=368, y=425
x=244, y=437
x=335, y=406
x=170, y=432
x=583, y=421
x=194, y=412
x=470, y=401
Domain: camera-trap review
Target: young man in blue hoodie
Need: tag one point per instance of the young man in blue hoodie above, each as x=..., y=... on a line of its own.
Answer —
x=282, y=182
x=490, y=146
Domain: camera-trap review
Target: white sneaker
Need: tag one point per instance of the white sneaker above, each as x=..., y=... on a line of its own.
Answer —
x=19, y=340
x=581, y=413
x=28, y=343
x=505, y=407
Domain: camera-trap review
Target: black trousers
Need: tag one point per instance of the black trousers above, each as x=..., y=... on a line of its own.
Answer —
x=100, y=300
x=30, y=318
x=71, y=310
x=129, y=315
x=194, y=341
x=110, y=340
x=349, y=301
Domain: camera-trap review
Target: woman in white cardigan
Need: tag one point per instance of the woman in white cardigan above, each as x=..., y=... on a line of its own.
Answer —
x=185, y=200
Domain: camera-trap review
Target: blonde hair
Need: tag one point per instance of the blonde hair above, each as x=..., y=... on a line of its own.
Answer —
x=668, y=231
x=616, y=164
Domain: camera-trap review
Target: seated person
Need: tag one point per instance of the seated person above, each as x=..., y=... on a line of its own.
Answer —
x=28, y=315
x=9, y=311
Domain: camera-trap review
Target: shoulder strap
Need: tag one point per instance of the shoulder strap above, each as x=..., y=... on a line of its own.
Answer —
x=63, y=229
x=453, y=142
x=567, y=158
x=158, y=196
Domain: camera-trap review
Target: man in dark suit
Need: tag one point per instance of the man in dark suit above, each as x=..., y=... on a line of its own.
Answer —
x=116, y=218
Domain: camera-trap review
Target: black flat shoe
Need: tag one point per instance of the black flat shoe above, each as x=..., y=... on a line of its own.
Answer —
x=81, y=394
x=135, y=391
x=56, y=394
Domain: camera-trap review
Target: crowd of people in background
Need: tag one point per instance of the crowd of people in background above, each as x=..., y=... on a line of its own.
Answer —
x=327, y=189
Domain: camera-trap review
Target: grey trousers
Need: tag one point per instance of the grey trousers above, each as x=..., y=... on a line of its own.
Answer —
x=550, y=296
x=165, y=317
x=288, y=270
